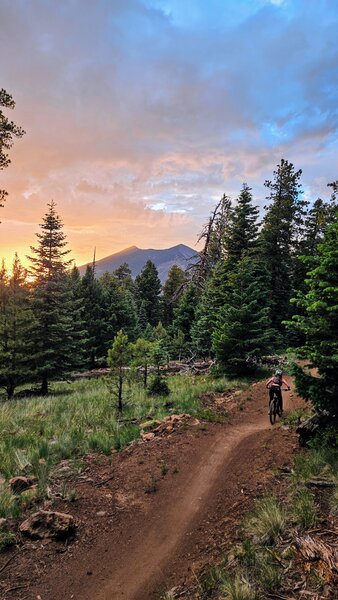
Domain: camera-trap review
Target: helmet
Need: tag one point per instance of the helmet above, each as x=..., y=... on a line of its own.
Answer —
x=278, y=372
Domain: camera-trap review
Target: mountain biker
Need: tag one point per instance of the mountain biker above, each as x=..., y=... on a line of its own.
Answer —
x=275, y=387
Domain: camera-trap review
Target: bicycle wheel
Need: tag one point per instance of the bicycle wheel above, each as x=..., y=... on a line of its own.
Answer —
x=272, y=411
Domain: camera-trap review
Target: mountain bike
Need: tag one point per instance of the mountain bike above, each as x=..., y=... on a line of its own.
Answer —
x=275, y=407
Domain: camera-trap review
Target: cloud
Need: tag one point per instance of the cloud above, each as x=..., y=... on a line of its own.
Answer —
x=141, y=113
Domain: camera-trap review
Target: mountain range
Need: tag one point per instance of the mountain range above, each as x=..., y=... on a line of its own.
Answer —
x=136, y=258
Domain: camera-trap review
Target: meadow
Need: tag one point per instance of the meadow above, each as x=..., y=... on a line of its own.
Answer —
x=77, y=418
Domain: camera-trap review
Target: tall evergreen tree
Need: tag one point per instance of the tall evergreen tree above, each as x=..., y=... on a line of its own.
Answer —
x=279, y=237
x=148, y=286
x=54, y=349
x=16, y=322
x=213, y=235
x=242, y=330
x=175, y=280
x=93, y=302
x=318, y=322
x=184, y=314
x=119, y=309
x=243, y=227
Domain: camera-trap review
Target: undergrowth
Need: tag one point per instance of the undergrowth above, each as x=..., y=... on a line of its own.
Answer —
x=36, y=433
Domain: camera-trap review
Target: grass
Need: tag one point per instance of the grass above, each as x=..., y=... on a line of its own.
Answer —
x=304, y=508
x=268, y=521
x=8, y=502
x=7, y=538
x=38, y=432
x=239, y=588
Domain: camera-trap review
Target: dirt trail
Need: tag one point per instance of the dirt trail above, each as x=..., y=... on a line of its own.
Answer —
x=156, y=540
x=146, y=559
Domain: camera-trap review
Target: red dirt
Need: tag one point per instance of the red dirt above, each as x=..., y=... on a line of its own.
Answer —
x=134, y=545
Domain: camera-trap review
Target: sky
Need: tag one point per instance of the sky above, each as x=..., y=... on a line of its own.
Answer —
x=140, y=114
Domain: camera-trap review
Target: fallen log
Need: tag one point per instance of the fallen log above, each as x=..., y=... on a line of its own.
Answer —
x=326, y=483
x=309, y=428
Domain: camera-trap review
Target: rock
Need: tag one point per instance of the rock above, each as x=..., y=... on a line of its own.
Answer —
x=3, y=523
x=101, y=513
x=19, y=484
x=147, y=436
x=48, y=524
x=238, y=392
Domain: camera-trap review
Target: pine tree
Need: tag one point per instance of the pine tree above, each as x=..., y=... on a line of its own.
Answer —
x=141, y=352
x=119, y=356
x=213, y=234
x=123, y=275
x=148, y=286
x=184, y=314
x=174, y=283
x=279, y=238
x=242, y=233
x=242, y=330
x=16, y=321
x=119, y=309
x=213, y=298
x=93, y=303
x=54, y=349
x=318, y=322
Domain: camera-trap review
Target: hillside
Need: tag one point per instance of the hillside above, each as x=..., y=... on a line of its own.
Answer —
x=136, y=258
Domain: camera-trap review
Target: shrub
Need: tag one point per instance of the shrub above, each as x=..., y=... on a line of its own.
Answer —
x=267, y=522
x=159, y=387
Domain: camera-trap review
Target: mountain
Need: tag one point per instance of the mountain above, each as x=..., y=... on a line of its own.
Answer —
x=136, y=258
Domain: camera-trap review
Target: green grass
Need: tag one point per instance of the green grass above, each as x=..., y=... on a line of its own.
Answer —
x=7, y=538
x=239, y=588
x=304, y=508
x=79, y=418
x=267, y=522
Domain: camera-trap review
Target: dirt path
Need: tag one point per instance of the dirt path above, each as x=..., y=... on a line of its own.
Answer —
x=146, y=561
x=152, y=542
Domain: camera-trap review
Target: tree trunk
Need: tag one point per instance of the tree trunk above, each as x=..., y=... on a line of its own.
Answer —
x=145, y=375
x=120, y=406
x=44, y=385
x=10, y=387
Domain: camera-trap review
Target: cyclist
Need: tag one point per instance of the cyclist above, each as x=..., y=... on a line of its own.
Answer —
x=275, y=387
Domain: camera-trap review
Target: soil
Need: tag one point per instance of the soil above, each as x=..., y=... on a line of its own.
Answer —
x=152, y=516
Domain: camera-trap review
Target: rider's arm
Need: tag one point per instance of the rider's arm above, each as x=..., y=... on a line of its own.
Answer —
x=286, y=383
x=270, y=381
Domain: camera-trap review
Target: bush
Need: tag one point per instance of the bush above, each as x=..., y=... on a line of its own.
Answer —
x=159, y=387
x=267, y=521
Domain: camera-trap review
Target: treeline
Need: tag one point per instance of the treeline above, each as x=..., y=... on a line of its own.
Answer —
x=233, y=302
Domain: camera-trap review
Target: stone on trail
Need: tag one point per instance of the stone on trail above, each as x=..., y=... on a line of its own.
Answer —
x=19, y=484
x=147, y=436
x=48, y=524
x=3, y=522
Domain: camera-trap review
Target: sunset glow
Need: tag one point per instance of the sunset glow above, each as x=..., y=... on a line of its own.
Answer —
x=140, y=114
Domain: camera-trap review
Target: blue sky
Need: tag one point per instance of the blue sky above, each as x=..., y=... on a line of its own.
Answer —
x=140, y=114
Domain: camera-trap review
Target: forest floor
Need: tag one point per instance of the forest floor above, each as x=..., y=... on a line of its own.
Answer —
x=152, y=517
